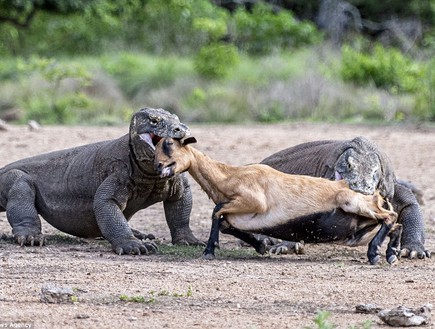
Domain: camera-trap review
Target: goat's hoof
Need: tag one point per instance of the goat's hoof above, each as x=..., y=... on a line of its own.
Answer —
x=392, y=259
x=262, y=247
x=208, y=256
x=374, y=260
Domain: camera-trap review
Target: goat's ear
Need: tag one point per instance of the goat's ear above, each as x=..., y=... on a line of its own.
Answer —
x=188, y=140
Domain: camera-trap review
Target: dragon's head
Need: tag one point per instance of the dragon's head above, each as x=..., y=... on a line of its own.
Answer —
x=149, y=125
x=362, y=168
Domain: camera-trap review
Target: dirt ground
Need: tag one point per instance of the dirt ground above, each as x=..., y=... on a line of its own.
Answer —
x=237, y=290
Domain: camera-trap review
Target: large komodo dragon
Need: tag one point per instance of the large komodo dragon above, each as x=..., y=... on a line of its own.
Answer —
x=93, y=190
x=366, y=169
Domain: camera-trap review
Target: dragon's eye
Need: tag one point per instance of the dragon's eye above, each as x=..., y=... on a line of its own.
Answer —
x=154, y=119
x=351, y=163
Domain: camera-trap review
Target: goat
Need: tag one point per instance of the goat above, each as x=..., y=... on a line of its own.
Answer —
x=252, y=198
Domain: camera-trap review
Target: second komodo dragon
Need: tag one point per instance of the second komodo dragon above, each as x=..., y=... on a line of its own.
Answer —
x=93, y=190
x=366, y=169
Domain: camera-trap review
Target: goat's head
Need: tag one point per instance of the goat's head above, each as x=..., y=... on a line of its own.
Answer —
x=172, y=156
x=372, y=206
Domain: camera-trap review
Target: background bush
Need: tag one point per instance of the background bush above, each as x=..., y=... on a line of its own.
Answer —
x=216, y=60
x=96, y=61
x=385, y=68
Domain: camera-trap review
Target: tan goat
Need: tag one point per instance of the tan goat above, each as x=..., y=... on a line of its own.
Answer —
x=250, y=198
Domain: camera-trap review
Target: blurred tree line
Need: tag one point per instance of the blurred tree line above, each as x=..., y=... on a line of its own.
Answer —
x=49, y=27
x=386, y=45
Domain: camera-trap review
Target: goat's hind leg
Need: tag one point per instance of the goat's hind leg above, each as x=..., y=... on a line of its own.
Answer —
x=260, y=244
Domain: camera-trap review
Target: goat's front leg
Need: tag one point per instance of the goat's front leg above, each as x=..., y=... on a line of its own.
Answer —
x=393, y=248
x=392, y=230
x=213, y=240
x=375, y=244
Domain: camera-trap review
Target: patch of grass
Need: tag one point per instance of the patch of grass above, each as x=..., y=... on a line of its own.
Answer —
x=322, y=322
x=154, y=295
x=136, y=299
x=195, y=252
x=181, y=252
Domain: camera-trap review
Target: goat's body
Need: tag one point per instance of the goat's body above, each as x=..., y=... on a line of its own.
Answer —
x=259, y=199
x=278, y=198
x=257, y=196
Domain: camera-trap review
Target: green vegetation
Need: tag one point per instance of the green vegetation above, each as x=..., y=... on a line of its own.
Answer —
x=322, y=322
x=180, y=253
x=152, y=296
x=95, y=62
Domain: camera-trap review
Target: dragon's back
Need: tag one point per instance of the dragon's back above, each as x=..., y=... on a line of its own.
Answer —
x=312, y=158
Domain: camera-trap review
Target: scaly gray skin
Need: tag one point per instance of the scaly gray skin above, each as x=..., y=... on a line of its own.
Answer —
x=365, y=168
x=93, y=190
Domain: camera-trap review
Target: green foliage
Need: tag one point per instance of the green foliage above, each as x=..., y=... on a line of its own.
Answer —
x=153, y=295
x=385, y=68
x=64, y=27
x=51, y=105
x=55, y=72
x=263, y=30
x=136, y=299
x=215, y=61
x=273, y=113
x=183, y=26
x=425, y=98
x=136, y=72
x=321, y=321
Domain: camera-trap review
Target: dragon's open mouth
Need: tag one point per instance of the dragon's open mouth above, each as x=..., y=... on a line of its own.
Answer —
x=151, y=139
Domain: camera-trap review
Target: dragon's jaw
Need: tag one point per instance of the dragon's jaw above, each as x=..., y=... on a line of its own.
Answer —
x=151, y=139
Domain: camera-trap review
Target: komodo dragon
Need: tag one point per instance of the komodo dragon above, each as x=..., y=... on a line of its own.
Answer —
x=93, y=190
x=365, y=168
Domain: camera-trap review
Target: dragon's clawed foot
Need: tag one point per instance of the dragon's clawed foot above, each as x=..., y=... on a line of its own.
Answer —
x=136, y=247
x=142, y=236
x=414, y=253
x=287, y=247
x=188, y=240
x=30, y=240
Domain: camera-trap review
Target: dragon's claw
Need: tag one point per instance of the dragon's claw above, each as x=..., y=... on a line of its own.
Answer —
x=30, y=240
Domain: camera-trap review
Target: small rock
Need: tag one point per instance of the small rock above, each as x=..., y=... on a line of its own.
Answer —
x=405, y=317
x=82, y=316
x=367, y=309
x=54, y=295
x=33, y=125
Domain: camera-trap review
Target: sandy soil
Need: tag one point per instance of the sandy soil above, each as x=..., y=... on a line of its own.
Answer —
x=237, y=290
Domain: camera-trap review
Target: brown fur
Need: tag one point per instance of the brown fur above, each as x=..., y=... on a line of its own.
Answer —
x=258, y=195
